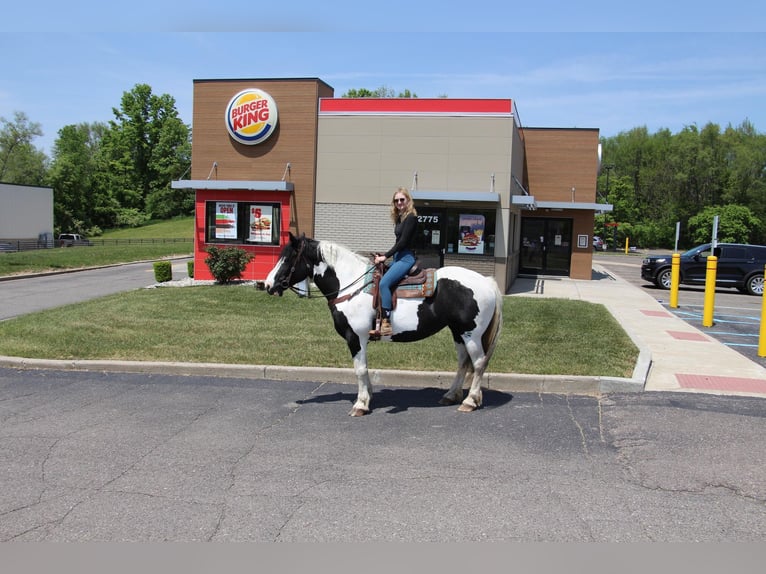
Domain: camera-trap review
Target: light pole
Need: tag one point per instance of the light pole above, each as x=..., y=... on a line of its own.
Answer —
x=609, y=167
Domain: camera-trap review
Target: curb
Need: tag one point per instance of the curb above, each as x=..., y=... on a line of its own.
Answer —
x=508, y=382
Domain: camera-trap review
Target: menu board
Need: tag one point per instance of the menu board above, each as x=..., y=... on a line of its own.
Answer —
x=225, y=220
x=261, y=218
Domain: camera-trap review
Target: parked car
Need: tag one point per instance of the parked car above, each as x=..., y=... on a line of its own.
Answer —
x=740, y=266
x=598, y=243
x=72, y=240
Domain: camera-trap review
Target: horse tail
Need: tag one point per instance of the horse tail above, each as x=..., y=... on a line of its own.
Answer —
x=492, y=333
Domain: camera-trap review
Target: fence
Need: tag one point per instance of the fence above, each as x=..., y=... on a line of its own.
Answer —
x=9, y=245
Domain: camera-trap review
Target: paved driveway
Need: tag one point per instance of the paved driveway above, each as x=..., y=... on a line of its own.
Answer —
x=90, y=456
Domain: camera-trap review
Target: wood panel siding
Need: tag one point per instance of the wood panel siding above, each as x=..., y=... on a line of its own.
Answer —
x=558, y=160
x=293, y=142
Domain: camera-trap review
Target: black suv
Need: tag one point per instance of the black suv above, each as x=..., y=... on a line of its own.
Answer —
x=739, y=266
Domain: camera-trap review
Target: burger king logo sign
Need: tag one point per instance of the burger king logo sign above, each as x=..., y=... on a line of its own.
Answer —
x=251, y=116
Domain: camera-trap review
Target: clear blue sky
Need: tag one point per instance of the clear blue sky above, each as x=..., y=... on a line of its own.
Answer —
x=73, y=65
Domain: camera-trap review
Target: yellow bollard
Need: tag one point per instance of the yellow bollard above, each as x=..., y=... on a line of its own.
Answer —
x=707, y=312
x=627, y=243
x=762, y=336
x=675, y=276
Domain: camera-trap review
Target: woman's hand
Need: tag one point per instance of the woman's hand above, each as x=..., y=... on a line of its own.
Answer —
x=380, y=259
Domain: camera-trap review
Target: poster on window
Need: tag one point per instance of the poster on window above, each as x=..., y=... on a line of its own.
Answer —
x=261, y=218
x=471, y=234
x=225, y=220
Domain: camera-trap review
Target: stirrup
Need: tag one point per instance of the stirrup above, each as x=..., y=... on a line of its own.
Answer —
x=375, y=333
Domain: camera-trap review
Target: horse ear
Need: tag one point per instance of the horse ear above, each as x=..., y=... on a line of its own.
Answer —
x=293, y=239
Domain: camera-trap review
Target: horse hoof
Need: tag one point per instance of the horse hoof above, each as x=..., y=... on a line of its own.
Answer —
x=358, y=412
x=447, y=402
x=464, y=408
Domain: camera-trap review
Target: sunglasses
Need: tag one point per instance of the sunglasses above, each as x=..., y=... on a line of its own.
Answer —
x=400, y=200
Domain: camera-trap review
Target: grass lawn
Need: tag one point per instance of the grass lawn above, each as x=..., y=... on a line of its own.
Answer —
x=58, y=258
x=242, y=325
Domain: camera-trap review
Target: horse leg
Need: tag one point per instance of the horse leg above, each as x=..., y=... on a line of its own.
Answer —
x=362, y=405
x=479, y=363
x=455, y=393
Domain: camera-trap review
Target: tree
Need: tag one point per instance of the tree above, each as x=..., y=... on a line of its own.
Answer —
x=81, y=200
x=20, y=161
x=736, y=224
x=145, y=148
x=663, y=178
x=381, y=92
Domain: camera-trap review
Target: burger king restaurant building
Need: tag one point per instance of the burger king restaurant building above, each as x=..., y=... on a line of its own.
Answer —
x=272, y=156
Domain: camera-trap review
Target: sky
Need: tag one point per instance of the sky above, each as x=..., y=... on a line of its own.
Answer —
x=661, y=65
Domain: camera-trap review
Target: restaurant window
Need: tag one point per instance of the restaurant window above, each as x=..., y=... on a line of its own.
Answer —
x=241, y=222
x=470, y=232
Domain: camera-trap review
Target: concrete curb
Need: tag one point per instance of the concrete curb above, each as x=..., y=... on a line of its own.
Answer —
x=508, y=382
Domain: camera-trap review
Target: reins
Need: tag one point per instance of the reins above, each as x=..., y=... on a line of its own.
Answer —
x=335, y=300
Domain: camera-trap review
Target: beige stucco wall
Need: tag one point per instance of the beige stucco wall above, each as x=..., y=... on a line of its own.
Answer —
x=362, y=160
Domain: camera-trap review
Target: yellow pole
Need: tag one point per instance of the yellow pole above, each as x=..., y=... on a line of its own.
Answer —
x=675, y=275
x=762, y=337
x=627, y=243
x=707, y=312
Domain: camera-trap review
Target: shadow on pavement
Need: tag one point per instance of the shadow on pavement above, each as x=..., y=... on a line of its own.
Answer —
x=400, y=400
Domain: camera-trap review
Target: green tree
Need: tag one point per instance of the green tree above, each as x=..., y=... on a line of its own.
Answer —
x=20, y=161
x=736, y=224
x=81, y=202
x=145, y=148
x=663, y=178
x=381, y=92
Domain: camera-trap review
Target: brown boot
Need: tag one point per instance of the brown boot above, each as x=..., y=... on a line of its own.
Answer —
x=385, y=328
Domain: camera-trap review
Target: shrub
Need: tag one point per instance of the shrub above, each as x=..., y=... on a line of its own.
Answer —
x=163, y=271
x=190, y=268
x=228, y=263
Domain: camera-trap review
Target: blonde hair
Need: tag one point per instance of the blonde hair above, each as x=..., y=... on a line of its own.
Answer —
x=410, y=207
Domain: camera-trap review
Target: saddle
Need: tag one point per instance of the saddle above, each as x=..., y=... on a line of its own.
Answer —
x=417, y=283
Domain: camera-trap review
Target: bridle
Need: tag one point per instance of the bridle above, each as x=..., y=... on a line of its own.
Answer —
x=334, y=300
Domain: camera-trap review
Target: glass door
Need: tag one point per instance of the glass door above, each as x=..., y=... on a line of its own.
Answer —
x=546, y=246
x=429, y=241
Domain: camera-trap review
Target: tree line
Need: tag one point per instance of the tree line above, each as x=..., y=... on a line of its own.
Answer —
x=655, y=181
x=118, y=174
x=106, y=175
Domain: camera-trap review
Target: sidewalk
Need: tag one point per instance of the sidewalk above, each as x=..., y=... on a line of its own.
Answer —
x=679, y=356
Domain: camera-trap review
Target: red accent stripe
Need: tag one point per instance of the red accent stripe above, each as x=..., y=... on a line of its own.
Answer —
x=652, y=313
x=414, y=106
x=713, y=383
x=688, y=336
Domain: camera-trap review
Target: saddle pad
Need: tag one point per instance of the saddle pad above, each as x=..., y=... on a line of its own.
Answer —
x=425, y=289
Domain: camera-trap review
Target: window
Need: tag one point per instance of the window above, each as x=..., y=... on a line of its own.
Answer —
x=238, y=222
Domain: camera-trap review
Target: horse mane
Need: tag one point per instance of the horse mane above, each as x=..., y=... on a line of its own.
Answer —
x=332, y=253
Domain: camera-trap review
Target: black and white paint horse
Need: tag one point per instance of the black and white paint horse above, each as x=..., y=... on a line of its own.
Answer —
x=467, y=303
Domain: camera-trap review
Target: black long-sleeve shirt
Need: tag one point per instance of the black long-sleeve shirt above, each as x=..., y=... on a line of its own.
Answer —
x=405, y=235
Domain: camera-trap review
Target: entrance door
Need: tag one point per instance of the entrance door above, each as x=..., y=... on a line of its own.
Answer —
x=429, y=240
x=546, y=246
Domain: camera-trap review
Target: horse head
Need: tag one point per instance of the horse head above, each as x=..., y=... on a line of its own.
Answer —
x=294, y=265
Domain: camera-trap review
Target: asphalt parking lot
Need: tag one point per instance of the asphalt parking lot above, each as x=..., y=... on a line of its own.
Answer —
x=736, y=316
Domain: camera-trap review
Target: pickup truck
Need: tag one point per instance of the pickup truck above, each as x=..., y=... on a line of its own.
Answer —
x=72, y=240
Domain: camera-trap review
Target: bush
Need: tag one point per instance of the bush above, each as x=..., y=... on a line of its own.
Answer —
x=163, y=271
x=228, y=263
x=190, y=268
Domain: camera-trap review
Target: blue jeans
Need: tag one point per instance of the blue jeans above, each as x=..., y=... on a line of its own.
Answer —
x=403, y=262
